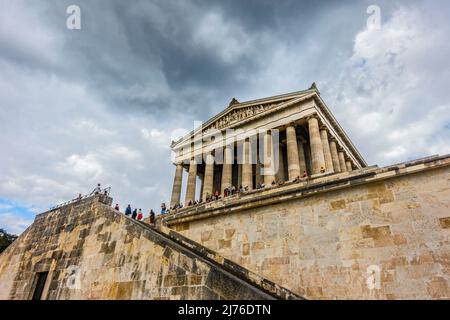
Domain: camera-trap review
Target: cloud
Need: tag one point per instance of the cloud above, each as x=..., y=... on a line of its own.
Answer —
x=4, y=206
x=15, y=217
x=387, y=92
x=13, y=223
x=103, y=103
x=86, y=166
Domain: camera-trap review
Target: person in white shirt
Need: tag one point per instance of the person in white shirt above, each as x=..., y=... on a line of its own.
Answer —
x=97, y=189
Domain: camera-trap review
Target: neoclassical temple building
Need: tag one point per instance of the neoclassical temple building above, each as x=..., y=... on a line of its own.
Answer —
x=313, y=221
x=326, y=234
x=275, y=139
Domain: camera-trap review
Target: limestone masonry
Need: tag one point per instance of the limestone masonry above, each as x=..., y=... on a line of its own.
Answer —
x=312, y=221
x=90, y=251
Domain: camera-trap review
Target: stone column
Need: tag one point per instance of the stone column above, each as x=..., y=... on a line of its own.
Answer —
x=342, y=161
x=326, y=150
x=279, y=175
x=258, y=177
x=317, y=157
x=192, y=176
x=217, y=184
x=227, y=169
x=301, y=157
x=247, y=172
x=201, y=177
x=208, y=180
x=239, y=178
x=269, y=174
x=348, y=164
x=176, y=189
x=334, y=156
x=292, y=153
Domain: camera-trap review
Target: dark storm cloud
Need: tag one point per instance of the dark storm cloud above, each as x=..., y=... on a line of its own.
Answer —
x=122, y=45
x=99, y=104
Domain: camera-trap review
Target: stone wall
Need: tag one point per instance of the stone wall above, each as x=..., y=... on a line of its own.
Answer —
x=91, y=251
x=319, y=239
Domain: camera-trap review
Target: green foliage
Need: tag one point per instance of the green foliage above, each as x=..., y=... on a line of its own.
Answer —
x=6, y=239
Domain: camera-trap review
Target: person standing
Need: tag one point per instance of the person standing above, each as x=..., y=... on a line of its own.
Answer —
x=134, y=214
x=116, y=207
x=128, y=211
x=152, y=217
x=139, y=216
x=163, y=208
x=97, y=189
x=305, y=174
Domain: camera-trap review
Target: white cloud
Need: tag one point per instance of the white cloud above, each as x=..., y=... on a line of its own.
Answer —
x=95, y=129
x=387, y=93
x=123, y=153
x=13, y=223
x=4, y=206
x=158, y=138
x=86, y=166
x=227, y=40
x=63, y=132
x=24, y=34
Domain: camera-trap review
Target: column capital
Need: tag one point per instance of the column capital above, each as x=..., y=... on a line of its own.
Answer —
x=193, y=160
x=312, y=116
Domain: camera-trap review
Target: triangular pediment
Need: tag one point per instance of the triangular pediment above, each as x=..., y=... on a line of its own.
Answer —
x=239, y=112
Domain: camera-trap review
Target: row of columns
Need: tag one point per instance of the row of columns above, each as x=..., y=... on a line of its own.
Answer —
x=324, y=151
x=325, y=158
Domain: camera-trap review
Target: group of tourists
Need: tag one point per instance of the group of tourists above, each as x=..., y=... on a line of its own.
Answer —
x=231, y=191
x=304, y=176
x=227, y=192
x=137, y=214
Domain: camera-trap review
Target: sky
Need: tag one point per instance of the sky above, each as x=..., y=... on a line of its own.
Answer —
x=100, y=104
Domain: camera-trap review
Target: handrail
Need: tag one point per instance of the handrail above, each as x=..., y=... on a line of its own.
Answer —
x=104, y=191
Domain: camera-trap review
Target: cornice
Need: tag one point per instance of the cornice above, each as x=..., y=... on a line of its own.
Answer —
x=286, y=100
x=238, y=105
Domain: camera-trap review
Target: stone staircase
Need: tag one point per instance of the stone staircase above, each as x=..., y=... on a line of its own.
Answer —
x=120, y=258
x=264, y=288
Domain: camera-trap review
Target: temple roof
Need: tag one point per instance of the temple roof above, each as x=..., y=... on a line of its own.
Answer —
x=235, y=104
x=237, y=113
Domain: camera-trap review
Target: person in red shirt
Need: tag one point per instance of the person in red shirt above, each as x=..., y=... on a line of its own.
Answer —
x=139, y=217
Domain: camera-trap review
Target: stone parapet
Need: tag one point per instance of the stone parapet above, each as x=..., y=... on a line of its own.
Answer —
x=319, y=183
